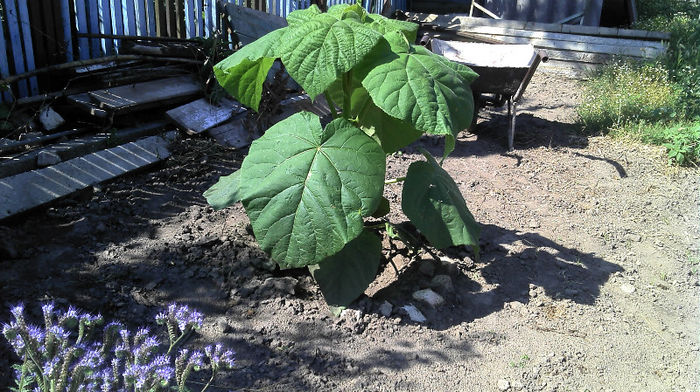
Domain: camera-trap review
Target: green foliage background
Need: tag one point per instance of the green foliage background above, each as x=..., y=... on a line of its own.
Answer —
x=656, y=102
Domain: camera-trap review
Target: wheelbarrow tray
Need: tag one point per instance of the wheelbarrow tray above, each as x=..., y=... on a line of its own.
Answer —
x=504, y=70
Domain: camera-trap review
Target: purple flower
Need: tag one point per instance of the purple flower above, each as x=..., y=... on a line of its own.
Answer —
x=220, y=357
x=35, y=333
x=59, y=332
x=18, y=311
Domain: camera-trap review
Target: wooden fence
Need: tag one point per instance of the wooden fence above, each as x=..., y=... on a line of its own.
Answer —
x=40, y=33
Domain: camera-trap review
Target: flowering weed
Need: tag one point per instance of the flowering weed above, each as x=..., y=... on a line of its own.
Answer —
x=73, y=352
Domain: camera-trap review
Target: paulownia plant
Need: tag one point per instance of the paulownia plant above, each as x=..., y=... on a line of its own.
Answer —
x=307, y=188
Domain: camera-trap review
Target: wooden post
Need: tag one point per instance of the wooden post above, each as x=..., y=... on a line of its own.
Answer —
x=152, y=23
x=16, y=44
x=4, y=64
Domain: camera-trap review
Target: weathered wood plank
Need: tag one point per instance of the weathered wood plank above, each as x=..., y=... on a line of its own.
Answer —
x=198, y=15
x=464, y=21
x=142, y=95
x=81, y=16
x=25, y=191
x=200, y=115
x=233, y=133
x=67, y=37
x=4, y=64
x=106, y=26
x=130, y=16
x=642, y=52
x=140, y=10
x=94, y=27
x=251, y=24
x=496, y=31
x=16, y=45
x=210, y=17
x=189, y=19
x=151, y=7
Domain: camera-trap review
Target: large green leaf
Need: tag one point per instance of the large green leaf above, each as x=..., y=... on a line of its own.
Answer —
x=346, y=275
x=317, y=52
x=306, y=189
x=300, y=16
x=225, y=192
x=433, y=203
x=385, y=25
x=243, y=73
x=418, y=87
x=391, y=133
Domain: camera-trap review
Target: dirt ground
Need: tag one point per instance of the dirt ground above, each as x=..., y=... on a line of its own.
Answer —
x=587, y=280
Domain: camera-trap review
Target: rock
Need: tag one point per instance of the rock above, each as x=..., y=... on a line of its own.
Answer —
x=429, y=296
x=517, y=385
x=285, y=284
x=426, y=267
x=222, y=326
x=442, y=283
x=627, y=288
x=414, y=314
x=633, y=237
x=49, y=119
x=353, y=316
x=47, y=158
x=386, y=308
x=503, y=385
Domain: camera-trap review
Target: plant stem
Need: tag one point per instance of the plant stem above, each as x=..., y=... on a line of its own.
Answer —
x=394, y=180
x=213, y=373
x=377, y=226
x=331, y=104
x=347, y=80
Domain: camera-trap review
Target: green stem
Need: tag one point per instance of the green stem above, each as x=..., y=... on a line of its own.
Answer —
x=331, y=104
x=347, y=80
x=213, y=373
x=394, y=180
x=377, y=226
x=174, y=344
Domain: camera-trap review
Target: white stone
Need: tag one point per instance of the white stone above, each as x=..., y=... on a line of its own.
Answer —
x=429, y=296
x=47, y=158
x=503, y=385
x=50, y=120
x=386, y=308
x=414, y=314
x=627, y=288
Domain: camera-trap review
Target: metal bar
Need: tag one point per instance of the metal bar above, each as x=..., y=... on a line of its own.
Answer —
x=511, y=128
x=570, y=18
x=28, y=47
x=485, y=10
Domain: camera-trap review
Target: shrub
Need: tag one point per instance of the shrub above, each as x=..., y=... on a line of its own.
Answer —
x=307, y=188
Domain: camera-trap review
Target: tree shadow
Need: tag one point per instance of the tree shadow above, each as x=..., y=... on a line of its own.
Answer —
x=512, y=263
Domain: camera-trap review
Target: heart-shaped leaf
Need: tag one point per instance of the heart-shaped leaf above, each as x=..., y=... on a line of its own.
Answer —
x=323, y=48
x=346, y=275
x=225, y=192
x=300, y=16
x=391, y=133
x=433, y=203
x=243, y=73
x=306, y=189
x=418, y=87
x=385, y=25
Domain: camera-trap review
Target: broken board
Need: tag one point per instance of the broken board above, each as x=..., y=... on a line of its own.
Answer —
x=144, y=95
x=83, y=102
x=200, y=115
x=233, y=133
x=25, y=191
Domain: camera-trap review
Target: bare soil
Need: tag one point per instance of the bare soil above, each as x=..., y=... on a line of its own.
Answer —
x=587, y=280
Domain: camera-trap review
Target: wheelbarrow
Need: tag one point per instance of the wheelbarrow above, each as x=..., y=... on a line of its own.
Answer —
x=504, y=72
